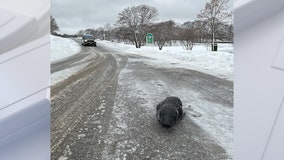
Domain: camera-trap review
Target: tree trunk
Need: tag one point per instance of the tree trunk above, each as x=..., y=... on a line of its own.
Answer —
x=213, y=34
x=136, y=44
x=136, y=40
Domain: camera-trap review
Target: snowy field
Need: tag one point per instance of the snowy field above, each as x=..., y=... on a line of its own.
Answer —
x=218, y=63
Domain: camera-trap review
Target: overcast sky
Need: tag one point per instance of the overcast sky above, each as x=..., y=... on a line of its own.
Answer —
x=74, y=15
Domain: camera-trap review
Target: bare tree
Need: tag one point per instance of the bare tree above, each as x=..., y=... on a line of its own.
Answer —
x=215, y=11
x=123, y=33
x=107, y=35
x=163, y=32
x=188, y=37
x=225, y=32
x=137, y=19
x=53, y=26
x=80, y=33
x=202, y=31
x=90, y=31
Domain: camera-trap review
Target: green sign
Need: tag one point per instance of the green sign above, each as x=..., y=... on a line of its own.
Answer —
x=149, y=38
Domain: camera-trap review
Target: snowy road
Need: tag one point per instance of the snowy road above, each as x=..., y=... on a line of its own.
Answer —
x=107, y=110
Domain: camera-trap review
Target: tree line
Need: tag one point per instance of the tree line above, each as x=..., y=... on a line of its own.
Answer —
x=210, y=26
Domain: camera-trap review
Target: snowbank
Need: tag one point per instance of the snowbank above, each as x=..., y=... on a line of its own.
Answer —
x=62, y=48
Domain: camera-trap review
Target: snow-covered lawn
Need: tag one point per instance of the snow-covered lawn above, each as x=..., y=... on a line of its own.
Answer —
x=218, y=63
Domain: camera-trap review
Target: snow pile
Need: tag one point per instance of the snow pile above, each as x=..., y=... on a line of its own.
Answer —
x=62, y=48
x=218, y=63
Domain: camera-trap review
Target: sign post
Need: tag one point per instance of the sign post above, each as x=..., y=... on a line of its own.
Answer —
x=149, y=38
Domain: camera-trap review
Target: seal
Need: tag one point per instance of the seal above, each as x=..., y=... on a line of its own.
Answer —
x=169, y=111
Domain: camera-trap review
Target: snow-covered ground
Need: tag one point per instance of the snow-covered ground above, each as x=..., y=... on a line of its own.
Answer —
x=218, y=63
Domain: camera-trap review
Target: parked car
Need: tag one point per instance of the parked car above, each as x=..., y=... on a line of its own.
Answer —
x=88, y=40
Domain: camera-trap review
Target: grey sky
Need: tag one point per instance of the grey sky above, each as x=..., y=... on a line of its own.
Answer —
x=74, y=15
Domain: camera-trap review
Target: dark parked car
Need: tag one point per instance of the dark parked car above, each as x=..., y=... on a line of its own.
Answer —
x=88, y=40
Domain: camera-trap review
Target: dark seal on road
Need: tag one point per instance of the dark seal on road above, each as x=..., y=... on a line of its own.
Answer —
x=169, y=111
